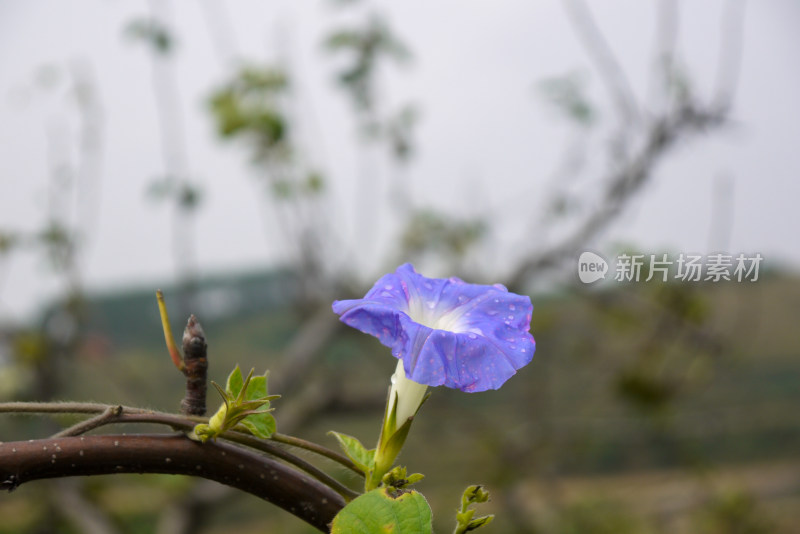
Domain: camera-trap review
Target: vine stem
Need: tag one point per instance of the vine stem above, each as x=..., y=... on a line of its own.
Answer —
x=262, y=476
x=319, y=449
x=123, y=414
x=110, y=413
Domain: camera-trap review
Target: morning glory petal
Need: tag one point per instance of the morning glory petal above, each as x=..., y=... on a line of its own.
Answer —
x=447, y=332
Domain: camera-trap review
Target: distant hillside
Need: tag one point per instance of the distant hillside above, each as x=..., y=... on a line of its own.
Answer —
x=129, y=317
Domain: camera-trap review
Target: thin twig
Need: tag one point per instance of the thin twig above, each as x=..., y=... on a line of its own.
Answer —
x=111, y=413
x=319, y=449
x=57, y=407
x=270, y=448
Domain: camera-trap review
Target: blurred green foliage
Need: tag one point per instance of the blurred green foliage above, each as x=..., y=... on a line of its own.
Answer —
x=365, y=46
x=567, y=94
x=247, y=106
x=152, y=32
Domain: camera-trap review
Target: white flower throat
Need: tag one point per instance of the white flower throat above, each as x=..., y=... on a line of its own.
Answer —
x=409, y=394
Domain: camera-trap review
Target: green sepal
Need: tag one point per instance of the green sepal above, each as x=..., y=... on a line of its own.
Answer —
x=390, y=448
x=390, y=442
x=390, y=418
x=382, y=510
x=353, y=449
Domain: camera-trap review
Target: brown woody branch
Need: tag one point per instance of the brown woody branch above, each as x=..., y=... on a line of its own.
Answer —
x=122, y=414
x=24, y=461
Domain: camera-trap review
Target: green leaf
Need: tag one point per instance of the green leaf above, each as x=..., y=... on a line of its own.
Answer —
x=257, y=389
x=363, y=458
x=381, y=511
x=234, y=384
x=261, y=425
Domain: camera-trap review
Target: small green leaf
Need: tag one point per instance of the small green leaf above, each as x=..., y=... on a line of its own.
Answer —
x=245, y=402
x=363, y=458
x=379, y=511
x=257, y=389
x=261, y=425
x=234, y=384
x=475, y=524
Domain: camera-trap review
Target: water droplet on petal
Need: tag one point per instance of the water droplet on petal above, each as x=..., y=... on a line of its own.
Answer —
x=512, y=307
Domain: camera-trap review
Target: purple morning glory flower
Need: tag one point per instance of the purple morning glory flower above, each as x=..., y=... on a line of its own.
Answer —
x=447, y=332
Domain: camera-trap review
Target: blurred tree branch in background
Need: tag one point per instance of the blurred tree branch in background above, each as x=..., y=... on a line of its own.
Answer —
x=644, y=136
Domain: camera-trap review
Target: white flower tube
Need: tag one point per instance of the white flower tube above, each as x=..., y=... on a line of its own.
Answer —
x=409, y=395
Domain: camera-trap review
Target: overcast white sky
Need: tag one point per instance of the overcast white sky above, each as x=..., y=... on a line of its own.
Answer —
x=475, y=68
